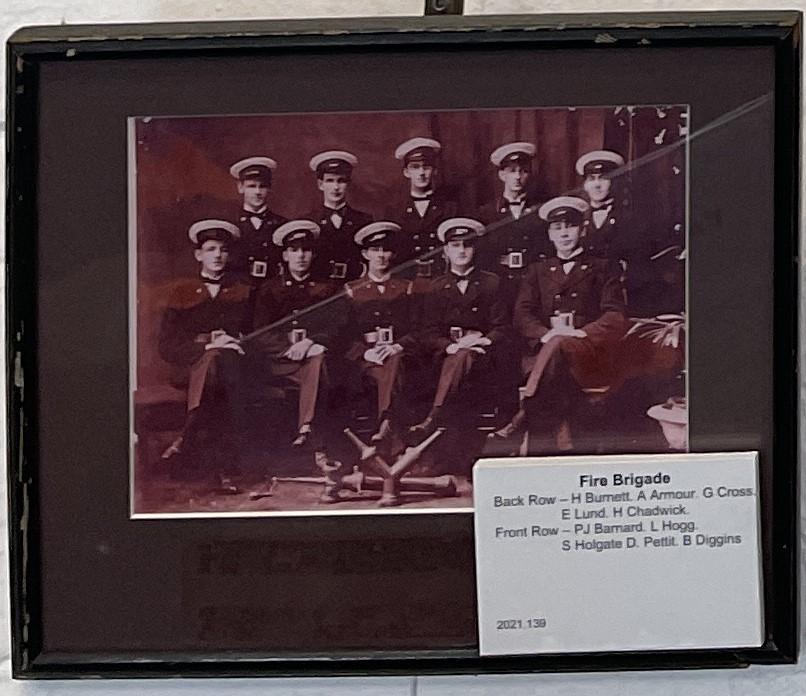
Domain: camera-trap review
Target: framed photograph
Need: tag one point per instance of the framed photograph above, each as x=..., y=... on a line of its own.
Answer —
x=275, y=287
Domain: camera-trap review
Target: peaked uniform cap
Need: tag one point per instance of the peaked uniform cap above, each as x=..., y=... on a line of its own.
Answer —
x=459, y=228
x=332, y=160
x=253, y=168
x=375, y=232
x=295, y=231
x=424, y=147
x=212, y=229
x=599, y=161
x=562, y=207
x=512, y=152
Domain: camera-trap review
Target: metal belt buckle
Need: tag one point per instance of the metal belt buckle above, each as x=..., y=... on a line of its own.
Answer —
x=456, y=333
x=562, y=320
x=386, y=336
x=515, y=259
x=259, y=269
x=424, y=268
x=338, y=270
x=297, y=335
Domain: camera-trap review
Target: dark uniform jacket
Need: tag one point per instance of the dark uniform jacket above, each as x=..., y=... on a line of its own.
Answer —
x=191, y=314
x=419, y=235
x=256, y=245
x=371, y=309
x=592, y=290
x=608, y=240
x=526, y=236
x=286, y=300
x=338, y=258
x=479, y=309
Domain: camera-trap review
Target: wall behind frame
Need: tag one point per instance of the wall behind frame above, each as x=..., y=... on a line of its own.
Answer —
x=756, y=680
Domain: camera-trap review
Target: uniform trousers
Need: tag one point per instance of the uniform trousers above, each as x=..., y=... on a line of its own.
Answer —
x=386, y=378
x=455, y=368
x=309, y=375
x=215, y=396
x=558, y=373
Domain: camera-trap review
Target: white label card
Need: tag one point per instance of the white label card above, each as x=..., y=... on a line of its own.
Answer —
x=620, y=552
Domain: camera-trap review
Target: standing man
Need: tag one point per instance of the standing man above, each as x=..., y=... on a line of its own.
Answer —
x=571, y=312
x=337, y=258
x=601, y=231
x=423, y=210
x=517, y=237
x=380, y=318
x=255, y=255
x=300, y=332
x=201, y=325
x=465, y=318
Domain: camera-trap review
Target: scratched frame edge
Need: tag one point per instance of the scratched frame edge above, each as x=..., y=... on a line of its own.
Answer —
x=28, y=47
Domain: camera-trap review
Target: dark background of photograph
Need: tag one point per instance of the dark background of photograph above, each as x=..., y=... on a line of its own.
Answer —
x=182, y=175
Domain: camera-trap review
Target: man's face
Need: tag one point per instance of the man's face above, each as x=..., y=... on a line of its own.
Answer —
x=597, y=186
x=378, y=258
x=564, y=235
x=255, y=193
x=459, y=252
x=514, y=177
x=420, y=174
x=298, y=259
x=334, y=186
x=212, y=255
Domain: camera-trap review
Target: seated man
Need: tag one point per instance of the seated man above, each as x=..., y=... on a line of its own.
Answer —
x=200, y=327
x=380, y=317
x=290, y=326
x=465, y=317
x=571, y=311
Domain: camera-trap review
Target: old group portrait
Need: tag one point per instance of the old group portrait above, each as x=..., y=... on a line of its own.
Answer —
x=342, y=312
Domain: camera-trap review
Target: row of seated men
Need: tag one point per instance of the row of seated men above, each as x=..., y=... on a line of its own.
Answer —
x=567, y=314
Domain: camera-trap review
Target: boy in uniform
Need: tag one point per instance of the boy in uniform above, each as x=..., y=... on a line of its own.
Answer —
x=465, y=318
x=571, y=312
x=423, y=210
x=255, y=255
x=380, y=318
x=517, y=238
x=337, y=259
x=201, y=326
x=300, y=333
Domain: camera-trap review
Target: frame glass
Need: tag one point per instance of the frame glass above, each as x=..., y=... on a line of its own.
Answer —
x=120, y=146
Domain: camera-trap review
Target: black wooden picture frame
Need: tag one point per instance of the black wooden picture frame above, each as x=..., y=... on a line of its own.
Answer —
x=67, y=495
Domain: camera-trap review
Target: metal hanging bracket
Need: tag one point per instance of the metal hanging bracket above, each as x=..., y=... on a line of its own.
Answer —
x=444, y=7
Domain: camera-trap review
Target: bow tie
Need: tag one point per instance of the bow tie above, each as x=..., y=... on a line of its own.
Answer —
x=337, y=213
x=422, y=198
x=604, y=205
x=252, y=214
x=513, y=204
x=211, y=281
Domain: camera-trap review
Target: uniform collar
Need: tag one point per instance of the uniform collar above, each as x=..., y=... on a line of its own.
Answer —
x=210, y=279
x=463, y=276
x=573, y=257
x=300, y=281
x=427, y=196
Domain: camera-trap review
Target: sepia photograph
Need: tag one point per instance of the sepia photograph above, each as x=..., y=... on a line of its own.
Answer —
x=340, y=313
